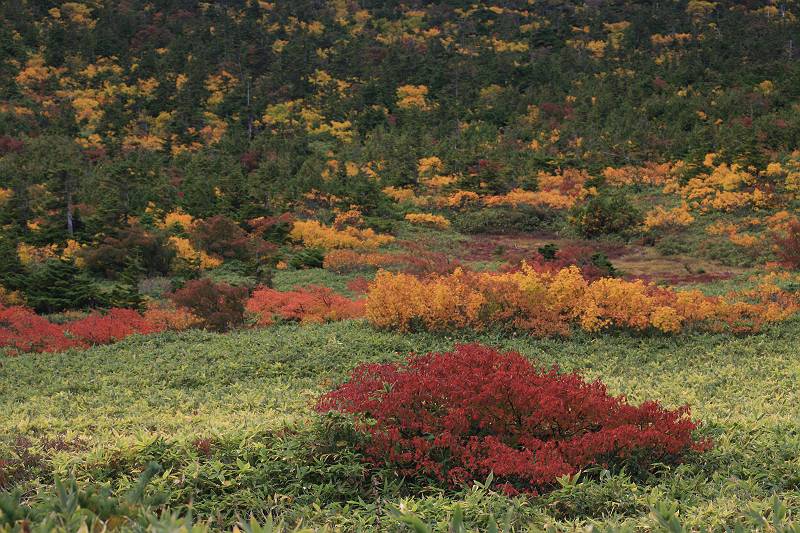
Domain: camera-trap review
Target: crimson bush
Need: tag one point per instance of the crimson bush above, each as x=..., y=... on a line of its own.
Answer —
x=787, y=246
x=220, y=306
x=460, y=415
x=222, y=237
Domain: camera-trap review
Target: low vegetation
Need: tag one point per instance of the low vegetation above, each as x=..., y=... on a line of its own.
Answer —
x=231, y=420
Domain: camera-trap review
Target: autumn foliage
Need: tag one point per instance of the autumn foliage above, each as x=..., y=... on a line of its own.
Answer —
x=458, y=416
x=313, y=233
x=306, y=304
x=22, y=330
x=545, y=303
x=220, y=306
x=787, y=245
x=109, y=327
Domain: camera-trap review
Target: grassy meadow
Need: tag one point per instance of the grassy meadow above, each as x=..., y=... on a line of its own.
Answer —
x=230, y=420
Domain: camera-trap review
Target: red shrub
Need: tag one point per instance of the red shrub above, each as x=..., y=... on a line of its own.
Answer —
x=787, y=246
x=10, y=144
x=22, y=330
x=421, y=261
x=460, y=415
x=359, y=285
x=220, y=306
x=308, y=304
x=110, y=327
x=222, y=237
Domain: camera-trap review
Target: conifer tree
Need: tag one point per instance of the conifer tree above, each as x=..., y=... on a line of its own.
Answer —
x=58, y=285
x=126, y=292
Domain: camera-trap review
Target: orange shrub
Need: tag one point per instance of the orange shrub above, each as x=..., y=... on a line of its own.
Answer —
x=559, y=191
x=307, y=304
x=548, y=303
x=649, y=174
x=170, y=318
x=458, y=199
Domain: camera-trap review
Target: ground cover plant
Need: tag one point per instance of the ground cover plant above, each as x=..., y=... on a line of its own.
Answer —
x=230, y=418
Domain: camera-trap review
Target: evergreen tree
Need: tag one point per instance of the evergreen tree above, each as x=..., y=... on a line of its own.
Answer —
x=12, y=273
x=58, y=285
x=126, y=291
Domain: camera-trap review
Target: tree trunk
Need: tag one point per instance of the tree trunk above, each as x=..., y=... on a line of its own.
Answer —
x=70, y=209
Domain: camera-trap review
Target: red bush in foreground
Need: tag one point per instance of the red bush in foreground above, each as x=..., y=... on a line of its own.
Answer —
x=458, y=416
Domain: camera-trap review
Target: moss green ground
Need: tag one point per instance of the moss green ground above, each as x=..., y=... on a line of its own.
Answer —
x=230, y=419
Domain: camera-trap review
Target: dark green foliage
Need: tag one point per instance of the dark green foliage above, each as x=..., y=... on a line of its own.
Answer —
x=505, y=220
x=72, y=505
x=548, y=251
x=307, y=258
x=126, y=291
x=58, y=285
x=603, y=263
x=111, y=254
x=12, y=273
x=607, y=213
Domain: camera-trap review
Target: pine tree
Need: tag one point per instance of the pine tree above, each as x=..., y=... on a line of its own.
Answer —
x=12, y=273
x=58, y=285
x=126, y=292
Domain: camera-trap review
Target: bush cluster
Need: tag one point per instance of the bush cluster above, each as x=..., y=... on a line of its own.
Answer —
x=22, y=330
x=606, y=214
x=549, y=303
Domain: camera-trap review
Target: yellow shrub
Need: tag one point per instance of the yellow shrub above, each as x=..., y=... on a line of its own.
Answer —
x=439, y=182
x=428, y=166
x=312, y=233
x=72, y=251
x=543, y=303
x=458, y=199
x=177, y=218
x=413, y=97
x=8, y=297
x=663, y=218
x=666, y=319
x=29, y=254
x=427, y=219
x=186, y=252
x=616, y=302
x=404, y=195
